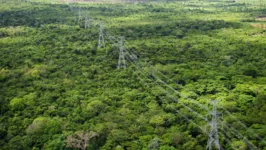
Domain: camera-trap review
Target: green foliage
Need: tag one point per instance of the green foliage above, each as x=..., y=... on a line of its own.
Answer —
x=55, y=83
x=95, y=107
x=44, y=125
x=239, y=145
x=56, y=143
x=19, y=143
x=20, y=103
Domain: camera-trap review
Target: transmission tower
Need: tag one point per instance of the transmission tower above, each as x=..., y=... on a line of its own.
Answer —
x=101, y=42
x=79, y=16
x=213, y=138
x=121, y=54
x=70, y=4
x=87, y=22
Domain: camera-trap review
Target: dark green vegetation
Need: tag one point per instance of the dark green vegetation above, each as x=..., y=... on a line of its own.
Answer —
x=55, y=84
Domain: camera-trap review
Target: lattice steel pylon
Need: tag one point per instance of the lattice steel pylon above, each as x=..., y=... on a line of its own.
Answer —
x=213, y=138
x=101, y=42
x=79, y=16
x=70, y=3
x=121, y=54
x=87, y=22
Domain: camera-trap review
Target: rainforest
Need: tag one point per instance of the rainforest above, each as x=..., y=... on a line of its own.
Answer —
x=132, y=74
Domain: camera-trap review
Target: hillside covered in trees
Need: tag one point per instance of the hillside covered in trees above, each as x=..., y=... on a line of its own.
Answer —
x=132, y=75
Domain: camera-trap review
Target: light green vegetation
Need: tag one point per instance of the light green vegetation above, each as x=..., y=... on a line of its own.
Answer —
x=57, y=86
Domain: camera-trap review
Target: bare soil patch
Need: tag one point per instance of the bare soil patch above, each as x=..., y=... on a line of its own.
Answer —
x=259, y=26
x=261, y=18
x=108, y=1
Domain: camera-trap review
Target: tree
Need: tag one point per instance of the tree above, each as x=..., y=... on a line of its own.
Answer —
x=80, y=140
x=240, y=145
x=95, y=107
x=154, y=144
x=44, y=125
x=20, y=103
x=57, y=142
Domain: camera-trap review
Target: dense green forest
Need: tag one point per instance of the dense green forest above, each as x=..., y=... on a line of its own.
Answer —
x=132, y=75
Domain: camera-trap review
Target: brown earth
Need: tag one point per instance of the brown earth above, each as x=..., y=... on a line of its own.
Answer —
x=259, y=26
x=260, y=18
x=106, y=1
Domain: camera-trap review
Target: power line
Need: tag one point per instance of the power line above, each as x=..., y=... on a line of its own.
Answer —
x=242, y=124
x=214, y=133
x=172, y=97
x=178, y=111
x=123, y=54
x=240, y=136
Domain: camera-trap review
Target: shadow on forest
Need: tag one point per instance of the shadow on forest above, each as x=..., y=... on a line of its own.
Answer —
x=34, y=17
x=178, y=29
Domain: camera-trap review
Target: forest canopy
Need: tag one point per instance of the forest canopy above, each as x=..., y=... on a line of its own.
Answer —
x=132, y=75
